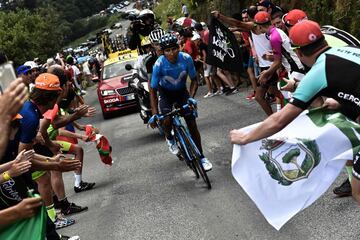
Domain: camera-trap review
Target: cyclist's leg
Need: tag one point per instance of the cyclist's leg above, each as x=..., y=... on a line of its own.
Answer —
x=194, y=132
x=191, y=122
x=165, y=106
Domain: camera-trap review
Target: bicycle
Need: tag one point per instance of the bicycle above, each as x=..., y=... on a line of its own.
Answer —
x=188, y=150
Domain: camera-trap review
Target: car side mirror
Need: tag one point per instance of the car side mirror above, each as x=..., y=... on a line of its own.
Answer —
x=128, y=67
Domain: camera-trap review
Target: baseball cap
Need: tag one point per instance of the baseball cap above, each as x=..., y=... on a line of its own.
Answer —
x=195, y=36
x=47, y=81
x=262, y=18
x=17, y=117
x=23, y=69
x=31, y=64
x=305, y=33
x=293, y=17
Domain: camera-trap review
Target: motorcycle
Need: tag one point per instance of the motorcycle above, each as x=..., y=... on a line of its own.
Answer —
x=141, y=87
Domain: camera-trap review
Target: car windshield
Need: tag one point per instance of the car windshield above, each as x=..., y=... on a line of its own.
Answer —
x=116, y=69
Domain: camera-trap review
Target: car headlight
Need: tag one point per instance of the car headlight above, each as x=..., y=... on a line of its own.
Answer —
x=105, y=93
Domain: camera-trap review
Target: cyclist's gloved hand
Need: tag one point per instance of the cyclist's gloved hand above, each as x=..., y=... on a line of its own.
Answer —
x=193, y=104
x=152, y=121
x=192, y=101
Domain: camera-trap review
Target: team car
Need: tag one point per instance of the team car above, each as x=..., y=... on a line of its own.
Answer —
x=113, y=91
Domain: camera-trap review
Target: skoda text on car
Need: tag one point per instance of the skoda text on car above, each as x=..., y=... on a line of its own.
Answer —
x=113, y=91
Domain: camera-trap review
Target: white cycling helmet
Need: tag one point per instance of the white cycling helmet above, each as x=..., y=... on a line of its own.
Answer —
x=31, y=64
x=156, y=34
x=146, y=12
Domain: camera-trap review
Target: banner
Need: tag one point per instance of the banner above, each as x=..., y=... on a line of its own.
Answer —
x=287, y=172
x=223, y=48
x=30, y=228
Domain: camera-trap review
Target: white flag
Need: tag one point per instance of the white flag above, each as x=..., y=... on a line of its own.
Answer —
x=287, y=172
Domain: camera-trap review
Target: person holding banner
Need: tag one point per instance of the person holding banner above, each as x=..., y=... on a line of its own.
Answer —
x=268, y=79
x=334, y=73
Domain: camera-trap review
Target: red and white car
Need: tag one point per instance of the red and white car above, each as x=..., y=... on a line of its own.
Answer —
x=113, y=91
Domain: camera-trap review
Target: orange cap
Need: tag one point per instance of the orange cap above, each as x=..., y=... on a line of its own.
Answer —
x=294, y=16
x=47, y=81
x=305, y=33
x=262, y=18
x=18, y=116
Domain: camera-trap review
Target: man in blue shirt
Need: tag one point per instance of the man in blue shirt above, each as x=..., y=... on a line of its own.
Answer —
x=169, y=79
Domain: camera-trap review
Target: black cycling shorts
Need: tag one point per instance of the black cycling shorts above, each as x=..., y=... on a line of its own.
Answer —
x=272, y=81
x=167, y=99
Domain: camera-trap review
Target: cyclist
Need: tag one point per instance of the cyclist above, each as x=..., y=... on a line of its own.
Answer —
x=169, y=79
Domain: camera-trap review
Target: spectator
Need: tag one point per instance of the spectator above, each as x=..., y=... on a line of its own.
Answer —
x=184, y=10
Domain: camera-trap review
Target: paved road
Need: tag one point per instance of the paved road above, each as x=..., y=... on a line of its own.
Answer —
x=149, y=194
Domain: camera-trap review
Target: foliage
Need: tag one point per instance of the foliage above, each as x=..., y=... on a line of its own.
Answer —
x=339, y=13
x=25, y=34
x=30, y=28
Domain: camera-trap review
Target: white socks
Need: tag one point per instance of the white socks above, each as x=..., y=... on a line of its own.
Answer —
x=77, y=180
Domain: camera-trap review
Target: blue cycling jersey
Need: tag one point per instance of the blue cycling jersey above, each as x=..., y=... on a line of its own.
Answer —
x=170, y=76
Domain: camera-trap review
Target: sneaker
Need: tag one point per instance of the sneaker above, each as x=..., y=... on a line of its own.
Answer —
x=83, y=92
x=251, y=96
x=232, y=91
x=62, y=222
x=206, y=164
x=219, y=92
x=73, y=208
x=84, y=186
x=172, y=146
x=209, y=94
x=69, y=238
x=344, y=190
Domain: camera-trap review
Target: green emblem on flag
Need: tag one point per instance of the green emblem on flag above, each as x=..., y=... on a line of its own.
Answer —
x=288, y=163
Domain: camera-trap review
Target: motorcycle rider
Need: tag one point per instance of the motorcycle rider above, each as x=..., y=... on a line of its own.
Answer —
x=144, y=67
x=141, y=28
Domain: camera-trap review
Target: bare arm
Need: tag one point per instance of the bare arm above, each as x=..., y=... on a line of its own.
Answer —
x=242, y=26
x=25, y=209
x=67, y=133
x=11, y=102
x=154, y=101
x=193, y=87
x=273, y=124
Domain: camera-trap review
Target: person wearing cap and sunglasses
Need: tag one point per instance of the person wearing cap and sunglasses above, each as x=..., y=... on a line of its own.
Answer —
x=282, y=53
x=334, y=73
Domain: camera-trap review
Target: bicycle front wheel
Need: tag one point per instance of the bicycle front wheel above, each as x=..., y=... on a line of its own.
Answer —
x=196, y=158
x=185, y=153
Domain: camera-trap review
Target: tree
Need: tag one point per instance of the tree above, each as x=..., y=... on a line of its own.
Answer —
x=291, y=157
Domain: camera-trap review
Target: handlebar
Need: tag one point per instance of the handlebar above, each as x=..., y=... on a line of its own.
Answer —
x=192, y=105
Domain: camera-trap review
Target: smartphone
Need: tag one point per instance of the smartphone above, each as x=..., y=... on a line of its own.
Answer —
x=7, y=75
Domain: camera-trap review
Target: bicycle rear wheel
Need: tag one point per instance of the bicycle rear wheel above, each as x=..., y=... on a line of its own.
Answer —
x=196, y=157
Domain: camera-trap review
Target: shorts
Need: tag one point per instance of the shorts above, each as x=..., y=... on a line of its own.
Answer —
x=167, y=99
x=66, y=146
x=251, y=62
x=208, y=70
x=271, y=82
x=37, y=174
x=42, y=150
